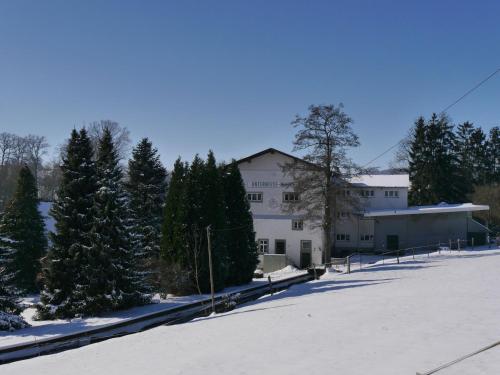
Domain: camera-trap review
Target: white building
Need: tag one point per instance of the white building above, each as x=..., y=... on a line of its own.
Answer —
x=381, y=221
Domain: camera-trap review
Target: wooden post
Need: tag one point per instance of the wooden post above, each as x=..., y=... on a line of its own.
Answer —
x=472, y=243
x=348, y=264
x=360, y=266
x=314, y=269
x=458, y=245
x=439, y=247
x=413, y=251
x=270, y=284
x=450, y=243
x=397, y=254
x=210, y=268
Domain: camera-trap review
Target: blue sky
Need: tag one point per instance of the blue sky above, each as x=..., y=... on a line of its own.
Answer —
x=231, y=75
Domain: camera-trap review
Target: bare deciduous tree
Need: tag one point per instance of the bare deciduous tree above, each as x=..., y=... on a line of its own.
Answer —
x=326, y=135
x=35, y=148
x=121, y=135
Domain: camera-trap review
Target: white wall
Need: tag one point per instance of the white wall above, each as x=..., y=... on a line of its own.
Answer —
x=264, y=175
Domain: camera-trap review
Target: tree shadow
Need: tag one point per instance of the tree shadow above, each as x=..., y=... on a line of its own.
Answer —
x=319, y=286
x=223, y=315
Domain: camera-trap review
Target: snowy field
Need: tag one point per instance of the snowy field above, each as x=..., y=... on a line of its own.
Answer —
x=51, y=328
x=390, y=319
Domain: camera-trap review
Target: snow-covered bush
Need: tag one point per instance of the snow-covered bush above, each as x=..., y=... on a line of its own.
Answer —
x=10, y=322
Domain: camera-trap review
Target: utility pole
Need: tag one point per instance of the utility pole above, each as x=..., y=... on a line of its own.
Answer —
x=210, y=268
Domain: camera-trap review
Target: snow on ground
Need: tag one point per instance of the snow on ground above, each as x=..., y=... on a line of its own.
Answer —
x=384, y=319
x=50, y=328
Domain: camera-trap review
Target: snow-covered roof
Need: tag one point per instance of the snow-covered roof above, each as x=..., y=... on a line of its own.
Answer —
x=382, y=180
x=436, y=209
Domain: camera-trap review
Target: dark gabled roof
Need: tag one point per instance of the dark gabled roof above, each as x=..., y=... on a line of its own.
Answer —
x=271, y=151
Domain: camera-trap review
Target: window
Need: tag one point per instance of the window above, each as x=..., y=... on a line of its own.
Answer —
x=297, y=224
x=263, y=245
x=342, y=214
x=305, y=246
x=254, y=197
x=290, y=197
x=280, y=246
x=391, y=194
x=343, y=237
x=367, y=193
x=346, y=193
x=366, y=237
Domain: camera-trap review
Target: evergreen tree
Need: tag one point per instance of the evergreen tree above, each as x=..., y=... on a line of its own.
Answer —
x=493, y=156
x=204, y=206
x=434, y=167
x=213, y=206
x=195, y=221
x=10, y=307
x=417, y=166
x=112, y=281
x=464, y=153
x=239, y=233
x=146, y=187
x=173, y=227
x=72, y=211
x=23, y=223
x=479, y=157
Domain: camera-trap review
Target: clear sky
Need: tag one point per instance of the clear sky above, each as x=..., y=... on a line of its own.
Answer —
x=231, y=75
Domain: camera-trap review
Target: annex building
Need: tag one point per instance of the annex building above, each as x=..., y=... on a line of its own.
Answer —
x=381, y=220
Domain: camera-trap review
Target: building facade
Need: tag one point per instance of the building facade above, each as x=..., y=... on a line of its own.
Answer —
x=379, y=220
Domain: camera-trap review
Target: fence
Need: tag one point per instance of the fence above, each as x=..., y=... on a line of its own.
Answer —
x=350, y=260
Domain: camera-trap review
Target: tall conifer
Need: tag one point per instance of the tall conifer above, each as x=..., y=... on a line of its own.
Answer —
x=72, y=211
x=10, y=307
x=23, y=223
x=239, y=233
x=111, y=278
x=146, y=186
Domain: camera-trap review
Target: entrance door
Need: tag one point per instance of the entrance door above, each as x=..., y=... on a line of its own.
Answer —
x=305, y=253
x=279, y=246
x=392, y=242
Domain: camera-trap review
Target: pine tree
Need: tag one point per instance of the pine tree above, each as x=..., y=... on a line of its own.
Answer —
x=434, y=167
x=175, y=265
x=146, y=187
x=464, y=152
x=112, y=281
x=418, y=195
x=493, y=156
x=72, y=211
x=213, y=206
x=173, y=227
x=194, y=254
x=479, y=157
x=239, y=233
x=23, y=223
x=10, y=307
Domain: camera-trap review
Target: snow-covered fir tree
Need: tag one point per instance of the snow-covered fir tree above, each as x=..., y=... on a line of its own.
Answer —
x=72, y=211
x=10, y=307
x=239, y=233
x=23, y=223
x=146, y=187
x=112, y=281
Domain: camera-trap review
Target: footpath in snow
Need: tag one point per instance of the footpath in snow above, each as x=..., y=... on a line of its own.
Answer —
x=385, y=319
x=52, y=328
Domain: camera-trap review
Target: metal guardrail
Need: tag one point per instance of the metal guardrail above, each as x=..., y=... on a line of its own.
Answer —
x=173, y=315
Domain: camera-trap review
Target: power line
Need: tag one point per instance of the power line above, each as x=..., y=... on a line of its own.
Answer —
x=443, y=111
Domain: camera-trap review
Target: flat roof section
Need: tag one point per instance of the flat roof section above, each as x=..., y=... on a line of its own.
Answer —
x=382, y=180
x=422, y=210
